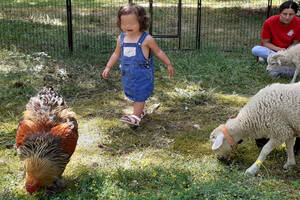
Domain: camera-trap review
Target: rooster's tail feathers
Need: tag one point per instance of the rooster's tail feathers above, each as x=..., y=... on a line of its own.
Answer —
x=46, y=101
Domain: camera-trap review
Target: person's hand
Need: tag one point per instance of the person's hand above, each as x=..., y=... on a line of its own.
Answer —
x=281, y=49
x=171, y=70
x=106, y=72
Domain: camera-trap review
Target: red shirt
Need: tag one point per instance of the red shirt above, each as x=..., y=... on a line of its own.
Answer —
x=281, y=35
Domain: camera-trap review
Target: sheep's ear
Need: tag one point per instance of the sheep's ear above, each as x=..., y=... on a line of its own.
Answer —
x=276, y=55
x=218, y=142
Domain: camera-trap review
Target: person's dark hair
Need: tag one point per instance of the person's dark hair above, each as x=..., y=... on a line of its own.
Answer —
x=139, y=11
x=288, y=4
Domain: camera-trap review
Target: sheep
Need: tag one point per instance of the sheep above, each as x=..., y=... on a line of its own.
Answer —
x=289, y=58
x=274, y=113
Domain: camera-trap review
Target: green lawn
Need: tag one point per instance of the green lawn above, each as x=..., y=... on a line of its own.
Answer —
x=169, y=156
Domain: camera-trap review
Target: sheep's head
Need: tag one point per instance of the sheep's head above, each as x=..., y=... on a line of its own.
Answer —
x=220, y=145
x=274, y=61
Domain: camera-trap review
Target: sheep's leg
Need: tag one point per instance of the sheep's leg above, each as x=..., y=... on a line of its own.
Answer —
x=271, y=144
x=290, y=153
x=296, y=74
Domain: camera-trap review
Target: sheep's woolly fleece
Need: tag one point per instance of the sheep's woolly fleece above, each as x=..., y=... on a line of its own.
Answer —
x=272, y=109
x=274, y=112
x=286, y=58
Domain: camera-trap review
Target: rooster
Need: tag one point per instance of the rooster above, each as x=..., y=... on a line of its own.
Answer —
x=46, y=139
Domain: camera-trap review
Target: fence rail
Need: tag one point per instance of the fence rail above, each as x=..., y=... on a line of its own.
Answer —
x=38, y=25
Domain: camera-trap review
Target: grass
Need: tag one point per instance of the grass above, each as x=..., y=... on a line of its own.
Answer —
x=169, y=156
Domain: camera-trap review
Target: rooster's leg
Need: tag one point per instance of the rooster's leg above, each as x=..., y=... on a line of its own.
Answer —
x=54, y=187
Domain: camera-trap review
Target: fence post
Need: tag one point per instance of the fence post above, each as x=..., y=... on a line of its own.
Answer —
x=198, y=26
x=269, y=8
x=151, y=16
x=179, y=22
x=69, y=22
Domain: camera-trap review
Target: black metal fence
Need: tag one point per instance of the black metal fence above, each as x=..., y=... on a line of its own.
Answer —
x=38, y=25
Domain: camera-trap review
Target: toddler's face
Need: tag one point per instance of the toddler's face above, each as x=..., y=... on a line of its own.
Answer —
x=130, y=24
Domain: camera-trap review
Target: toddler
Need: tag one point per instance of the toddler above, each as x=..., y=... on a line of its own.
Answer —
x=134, y=50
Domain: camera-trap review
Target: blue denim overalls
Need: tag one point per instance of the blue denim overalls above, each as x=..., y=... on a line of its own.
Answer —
x=137, y=71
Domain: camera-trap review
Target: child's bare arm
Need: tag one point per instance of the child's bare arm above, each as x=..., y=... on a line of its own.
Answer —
x=150, y=42
x=113, y=60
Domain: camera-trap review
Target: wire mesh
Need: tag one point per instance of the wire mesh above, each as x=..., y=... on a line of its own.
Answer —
x=33, y=25
x=38, y=25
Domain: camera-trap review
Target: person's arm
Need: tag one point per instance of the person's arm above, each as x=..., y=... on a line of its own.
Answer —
x=150, y=42
x=266, y=36
x=295, y=42
x=113, y=60
x=267, y=43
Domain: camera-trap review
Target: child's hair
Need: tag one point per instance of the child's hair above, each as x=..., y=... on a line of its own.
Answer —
x=288, y=4
x=140, y=13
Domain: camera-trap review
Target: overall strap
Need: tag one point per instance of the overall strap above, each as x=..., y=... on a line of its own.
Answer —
x=142, y=38
x=122, y=39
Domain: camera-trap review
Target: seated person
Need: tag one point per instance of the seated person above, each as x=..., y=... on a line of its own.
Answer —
x=278, y=33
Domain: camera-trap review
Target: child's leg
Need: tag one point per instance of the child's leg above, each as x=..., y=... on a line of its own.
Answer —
x=138, y=108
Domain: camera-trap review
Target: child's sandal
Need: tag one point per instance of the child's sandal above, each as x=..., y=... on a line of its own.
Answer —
x=131, y=119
